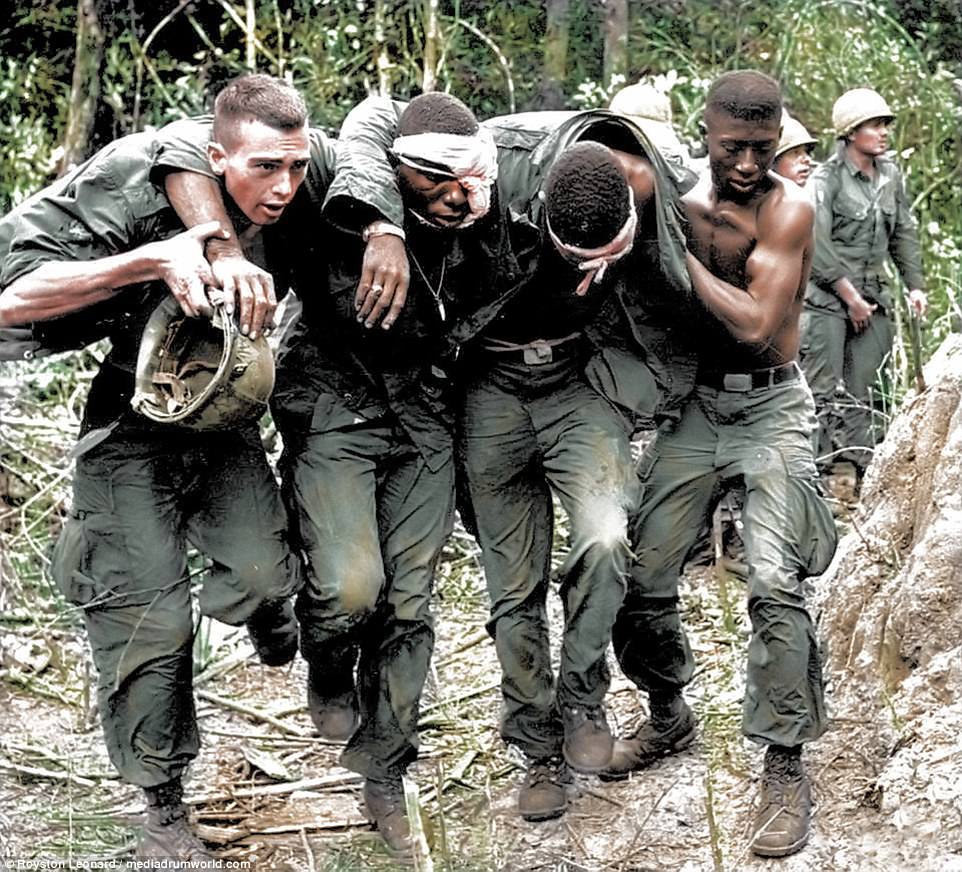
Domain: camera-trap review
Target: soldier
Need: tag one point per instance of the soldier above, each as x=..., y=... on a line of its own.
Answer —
x=558, y=315
x=793, y=157
x=862, y=218
x=650, y=109
x=103, y=246
x=367, y=422
x=750, y=417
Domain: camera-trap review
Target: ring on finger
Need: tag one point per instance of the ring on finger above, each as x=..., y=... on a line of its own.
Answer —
x=376, y=290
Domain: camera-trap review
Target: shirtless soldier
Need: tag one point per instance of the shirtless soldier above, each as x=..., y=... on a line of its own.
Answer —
x=750, y=417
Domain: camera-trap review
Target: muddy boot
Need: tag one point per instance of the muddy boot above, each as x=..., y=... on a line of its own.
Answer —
x=785, y=809
x=543, y=794
x=273, y=632
x=384, y=807
x=166, y=834
x=588, y=742
x=332, y=700
x=671, y=728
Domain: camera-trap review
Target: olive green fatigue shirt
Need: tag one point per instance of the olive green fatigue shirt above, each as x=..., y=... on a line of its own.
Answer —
x=859, y=222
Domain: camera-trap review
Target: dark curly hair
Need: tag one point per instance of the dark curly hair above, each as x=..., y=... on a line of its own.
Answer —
x=437, y=112
x=586, y=195
x=745, y=94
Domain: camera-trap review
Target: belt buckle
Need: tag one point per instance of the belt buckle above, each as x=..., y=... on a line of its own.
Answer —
x=738, y=382
x=537, y=354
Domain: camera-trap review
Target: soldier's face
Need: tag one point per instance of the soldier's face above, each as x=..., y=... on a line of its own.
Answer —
x=437, y=198
x=871, y=137
x=740, y=152
x=262, y=167
x=795, y=164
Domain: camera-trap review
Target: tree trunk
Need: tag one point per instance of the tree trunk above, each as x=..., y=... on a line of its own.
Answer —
x=555, y=55
x=380, y=43
x=85, y=88
x=430, y=81
x=250, y=34
x=616, y=39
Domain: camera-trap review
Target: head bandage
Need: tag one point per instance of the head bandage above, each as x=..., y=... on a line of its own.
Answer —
x=472, y=160
x=595, y=261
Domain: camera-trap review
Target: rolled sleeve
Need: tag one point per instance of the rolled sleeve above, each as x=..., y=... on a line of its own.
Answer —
x=182, y=146
x=86, y=218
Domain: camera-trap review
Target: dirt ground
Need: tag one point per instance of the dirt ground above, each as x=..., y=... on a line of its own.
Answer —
x=59, y=800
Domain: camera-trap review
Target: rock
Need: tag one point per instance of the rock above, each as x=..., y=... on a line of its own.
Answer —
x=891, y=614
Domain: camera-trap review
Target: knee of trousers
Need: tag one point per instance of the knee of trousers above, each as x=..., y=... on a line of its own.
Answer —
x=601, y=527
x=127, y=641
x=341, y=595
x=782, y=615
x=233, y=593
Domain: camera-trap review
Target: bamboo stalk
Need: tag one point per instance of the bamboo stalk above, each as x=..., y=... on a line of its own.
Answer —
x=250, y=711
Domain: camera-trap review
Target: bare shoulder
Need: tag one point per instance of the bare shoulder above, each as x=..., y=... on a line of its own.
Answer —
x=786, y=208
x=700, y=195
x=638, y=172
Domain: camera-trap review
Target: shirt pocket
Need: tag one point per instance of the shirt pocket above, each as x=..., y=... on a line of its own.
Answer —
x=851, y=218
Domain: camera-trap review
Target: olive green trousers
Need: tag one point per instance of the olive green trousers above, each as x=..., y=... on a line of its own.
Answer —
x=138, y=500
x=848, y=374
x=762, y=436
x=527, y=431
x=372, y=518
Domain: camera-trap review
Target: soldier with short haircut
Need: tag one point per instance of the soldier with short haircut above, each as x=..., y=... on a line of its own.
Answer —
x=97, y=253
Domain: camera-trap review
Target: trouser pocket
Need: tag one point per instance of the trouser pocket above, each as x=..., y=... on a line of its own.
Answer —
x=67, y=560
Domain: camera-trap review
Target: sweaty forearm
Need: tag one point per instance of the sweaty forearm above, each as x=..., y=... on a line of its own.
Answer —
x=738, y=311
x=198, y=199
x=60, y=287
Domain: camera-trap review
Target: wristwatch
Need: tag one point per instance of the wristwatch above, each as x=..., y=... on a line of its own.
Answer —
x=381, y=228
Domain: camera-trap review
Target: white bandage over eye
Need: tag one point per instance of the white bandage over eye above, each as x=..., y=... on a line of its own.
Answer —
x=471, y=160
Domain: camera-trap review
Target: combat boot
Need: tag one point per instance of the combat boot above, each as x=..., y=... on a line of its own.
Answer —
x=166, y=834
x=543, y=794
x=332, y=701
x=785, y=809
x=588, y=743
x=384, y=807
x=273, y=632
x=670, y=729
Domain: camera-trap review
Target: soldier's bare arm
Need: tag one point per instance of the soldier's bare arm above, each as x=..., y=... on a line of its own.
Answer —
x=774, y=271
x=197, y=199
x=59, y=287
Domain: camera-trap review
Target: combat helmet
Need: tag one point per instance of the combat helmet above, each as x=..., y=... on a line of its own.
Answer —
x=644, y=101
x=793, y=135
x=200, y=373
x=856, y=107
